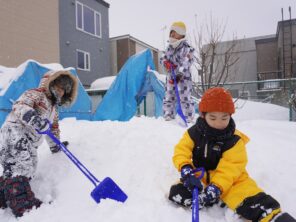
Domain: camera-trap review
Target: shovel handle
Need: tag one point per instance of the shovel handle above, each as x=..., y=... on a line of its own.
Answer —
x=80, y=166
x=179, y=107
x=195, y=204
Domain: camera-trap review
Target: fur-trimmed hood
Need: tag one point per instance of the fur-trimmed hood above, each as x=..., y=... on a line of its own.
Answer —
x=69, y=98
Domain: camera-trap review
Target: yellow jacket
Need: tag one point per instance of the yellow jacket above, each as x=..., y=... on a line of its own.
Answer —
x=230, y=174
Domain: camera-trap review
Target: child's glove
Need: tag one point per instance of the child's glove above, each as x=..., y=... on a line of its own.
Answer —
x=168, y=65
x=210, y=196
x=34, y=119
x=189, y=179
x=178, y=79
x=56, y=148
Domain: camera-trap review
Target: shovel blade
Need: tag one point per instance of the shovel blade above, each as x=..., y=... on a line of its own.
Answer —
x=108, y=189
x=181, y=116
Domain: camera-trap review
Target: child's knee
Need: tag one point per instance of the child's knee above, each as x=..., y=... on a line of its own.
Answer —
x=180, y=195
x=261, y=207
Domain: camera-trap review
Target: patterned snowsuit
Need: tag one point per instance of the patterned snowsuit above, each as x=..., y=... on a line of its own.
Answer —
x=182, y=58
x=19, y=141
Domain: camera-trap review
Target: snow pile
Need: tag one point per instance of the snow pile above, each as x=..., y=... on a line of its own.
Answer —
x=137, y=155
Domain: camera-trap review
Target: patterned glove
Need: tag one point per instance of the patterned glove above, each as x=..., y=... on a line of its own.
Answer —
x=210, y=196
x=34, y=119
x=56, y=148
x=189, y=179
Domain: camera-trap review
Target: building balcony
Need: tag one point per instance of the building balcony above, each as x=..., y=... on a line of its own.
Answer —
x=269, y=80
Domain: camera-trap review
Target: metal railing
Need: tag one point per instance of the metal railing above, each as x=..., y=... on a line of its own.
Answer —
x=276, y=91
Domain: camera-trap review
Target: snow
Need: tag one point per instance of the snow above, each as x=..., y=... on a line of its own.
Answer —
x=137, y=155
x=102, y=83
x=8, y=75
x=105, y=82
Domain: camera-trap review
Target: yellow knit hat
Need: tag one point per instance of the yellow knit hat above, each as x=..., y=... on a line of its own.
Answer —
x=179, y=27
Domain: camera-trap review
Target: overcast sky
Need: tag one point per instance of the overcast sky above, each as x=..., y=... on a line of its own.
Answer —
x=146, y=20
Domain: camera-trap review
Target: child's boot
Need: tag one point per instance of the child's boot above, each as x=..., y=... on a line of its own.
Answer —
x=19, y=196
x=3, y=204
x=283, y=217
x=180, y=195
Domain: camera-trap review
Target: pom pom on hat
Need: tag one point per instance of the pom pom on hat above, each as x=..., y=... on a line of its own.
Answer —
x=179, y=27
x=216, y=99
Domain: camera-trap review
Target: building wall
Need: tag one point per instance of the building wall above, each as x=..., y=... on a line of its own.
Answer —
x=72, y=39
x=29, y=30
x=244, y=52
x=122, y=52
x=113, y=57
x=156, y=60
x=245, y=69
x=290, y=65
x=124, y=47
x=267, y=60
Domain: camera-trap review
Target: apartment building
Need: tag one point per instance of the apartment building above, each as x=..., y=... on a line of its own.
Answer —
x=72, y=33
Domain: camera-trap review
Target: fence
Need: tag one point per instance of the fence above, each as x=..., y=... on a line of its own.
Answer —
x=276, y=91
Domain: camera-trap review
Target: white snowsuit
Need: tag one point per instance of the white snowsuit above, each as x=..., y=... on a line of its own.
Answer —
x=18, y=139
x=182, y=58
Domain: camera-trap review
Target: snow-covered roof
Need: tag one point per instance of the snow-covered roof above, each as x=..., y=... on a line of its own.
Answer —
x=102, y=83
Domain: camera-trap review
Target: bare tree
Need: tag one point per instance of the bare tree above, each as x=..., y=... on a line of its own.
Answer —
x=214, y=61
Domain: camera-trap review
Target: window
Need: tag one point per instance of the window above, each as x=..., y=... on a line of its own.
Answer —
x=83, y=60
x=88, y=20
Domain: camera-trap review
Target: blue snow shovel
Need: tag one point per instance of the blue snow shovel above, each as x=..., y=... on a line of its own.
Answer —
x=106, y=188
x=179, y=107
x=195, y=204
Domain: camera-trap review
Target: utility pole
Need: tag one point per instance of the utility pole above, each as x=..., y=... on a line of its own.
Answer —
x=291, y=45
x=283, y=46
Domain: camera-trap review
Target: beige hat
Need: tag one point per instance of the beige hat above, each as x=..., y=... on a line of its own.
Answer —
x=179, y=27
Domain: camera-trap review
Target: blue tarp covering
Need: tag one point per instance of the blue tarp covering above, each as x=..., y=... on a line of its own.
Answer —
x=127, y=90
x=30, y=78
x=152, y=84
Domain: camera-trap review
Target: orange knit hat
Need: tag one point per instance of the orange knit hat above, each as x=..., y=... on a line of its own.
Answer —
x=216, y=99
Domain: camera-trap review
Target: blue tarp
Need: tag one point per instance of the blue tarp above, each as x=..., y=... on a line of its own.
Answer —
x=152, y=84
x=30, y=78
x=129, y=88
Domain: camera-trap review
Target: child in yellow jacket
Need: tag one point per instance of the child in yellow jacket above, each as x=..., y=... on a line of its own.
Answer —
x=215, y=144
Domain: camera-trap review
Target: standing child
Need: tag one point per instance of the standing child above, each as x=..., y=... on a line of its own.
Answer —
x=216, y=145
x=19, y=139
x=179, y=56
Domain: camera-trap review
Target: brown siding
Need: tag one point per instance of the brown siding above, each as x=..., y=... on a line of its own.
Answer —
x=122, y=52
x=29, y=30
x=267, y=57
x=132, y=46
x=289, y=50
x=155, y=60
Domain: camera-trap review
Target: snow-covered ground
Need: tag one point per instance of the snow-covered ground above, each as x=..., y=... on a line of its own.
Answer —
x=137, y=155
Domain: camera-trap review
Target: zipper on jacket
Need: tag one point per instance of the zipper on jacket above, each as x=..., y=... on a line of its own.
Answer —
x=206, y=151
